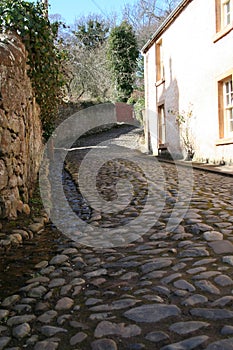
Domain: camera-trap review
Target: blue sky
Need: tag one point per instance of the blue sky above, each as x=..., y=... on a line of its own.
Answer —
x=71, y=9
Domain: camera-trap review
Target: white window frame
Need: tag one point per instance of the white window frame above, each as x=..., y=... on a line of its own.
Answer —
x=161, y=125
x=228, y=107
x=159, y=61
x=226, y=14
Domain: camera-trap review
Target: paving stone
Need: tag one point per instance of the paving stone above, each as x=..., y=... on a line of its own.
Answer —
x=93, y=301
x=179, y=266
x=116, y=305
x=152, y=312
x=64, y=304
x=200, y=227
x=181, y=293
x=157, y=264
x=196, y=270
x=37, y=292
x=154, y=275
x=50, y=331
x=182, y=328
x=15, y=320
x=205, y=275
x=129, y=275
x=70, y=251
x=223, y=280
x=58, y=259
x=225, y=344
x=154, y=298
x=4, y=341
x=228, y=259
x=47, y=317
x=104, y=344
x=46, y=345
x=195, y=299
x=77, y=282
x=29, y=287
x=124, y=303
x=204, y=262
x=78, y=338
x=101, y=316
x=207, y=286
x=108, y=328
x=160, y=271
x=57, y=282
x=62, y=319
x=212, y=314
x=182, y=284
x=187, y=344
x=36, y=227
x=96, y=273
x=40, y=279
x=213, y=236
x=10, y=300
x=156, y=337
x=223, y=301
x=227, y=330
x=65, y=289
x=171, y=278
x=21, y=331
x=221, y=247
x=194, y=252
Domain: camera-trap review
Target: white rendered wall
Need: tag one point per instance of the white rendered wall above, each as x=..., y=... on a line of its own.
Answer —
x=192, y=64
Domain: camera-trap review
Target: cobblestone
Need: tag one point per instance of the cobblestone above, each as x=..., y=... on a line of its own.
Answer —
x=170, y=289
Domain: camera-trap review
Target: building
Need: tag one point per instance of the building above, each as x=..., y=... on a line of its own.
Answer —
x=188, y=82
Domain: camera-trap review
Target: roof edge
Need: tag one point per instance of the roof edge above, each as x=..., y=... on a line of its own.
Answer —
x=166, y=23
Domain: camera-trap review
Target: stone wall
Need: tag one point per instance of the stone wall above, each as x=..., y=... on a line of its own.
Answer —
x=20, y=129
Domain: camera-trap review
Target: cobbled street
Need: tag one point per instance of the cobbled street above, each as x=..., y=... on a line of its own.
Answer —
x=170, y=289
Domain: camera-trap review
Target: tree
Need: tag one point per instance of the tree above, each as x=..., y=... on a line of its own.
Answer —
x=92, y=34
x=145, y=16
x=86, y=68
x=46, y=6
x=122, y=55
x=87, y=73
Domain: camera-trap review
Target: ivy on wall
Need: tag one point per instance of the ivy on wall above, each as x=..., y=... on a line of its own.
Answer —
x=38, y=35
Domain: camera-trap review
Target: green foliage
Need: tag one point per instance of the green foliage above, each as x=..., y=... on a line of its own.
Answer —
x=122, y=56
x=138, y=103
x=92, y=34
x=38, y=34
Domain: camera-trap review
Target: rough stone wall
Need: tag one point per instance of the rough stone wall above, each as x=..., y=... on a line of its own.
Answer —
x=20, y=129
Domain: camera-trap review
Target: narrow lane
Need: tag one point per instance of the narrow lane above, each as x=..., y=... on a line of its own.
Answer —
x=170, y=289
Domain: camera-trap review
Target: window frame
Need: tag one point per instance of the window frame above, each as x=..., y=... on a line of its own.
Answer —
x=222, y=27
x=228, y=107
x=161, y=125
x=225, y=136
x=159, y=62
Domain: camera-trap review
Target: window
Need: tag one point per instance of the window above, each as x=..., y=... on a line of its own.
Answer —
x=224, y=17
x=226, y=12
x=161, y=125
x=159, y=61
x=226, y=108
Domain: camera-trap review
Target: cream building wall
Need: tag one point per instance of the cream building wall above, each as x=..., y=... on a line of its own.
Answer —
x=193, y=63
